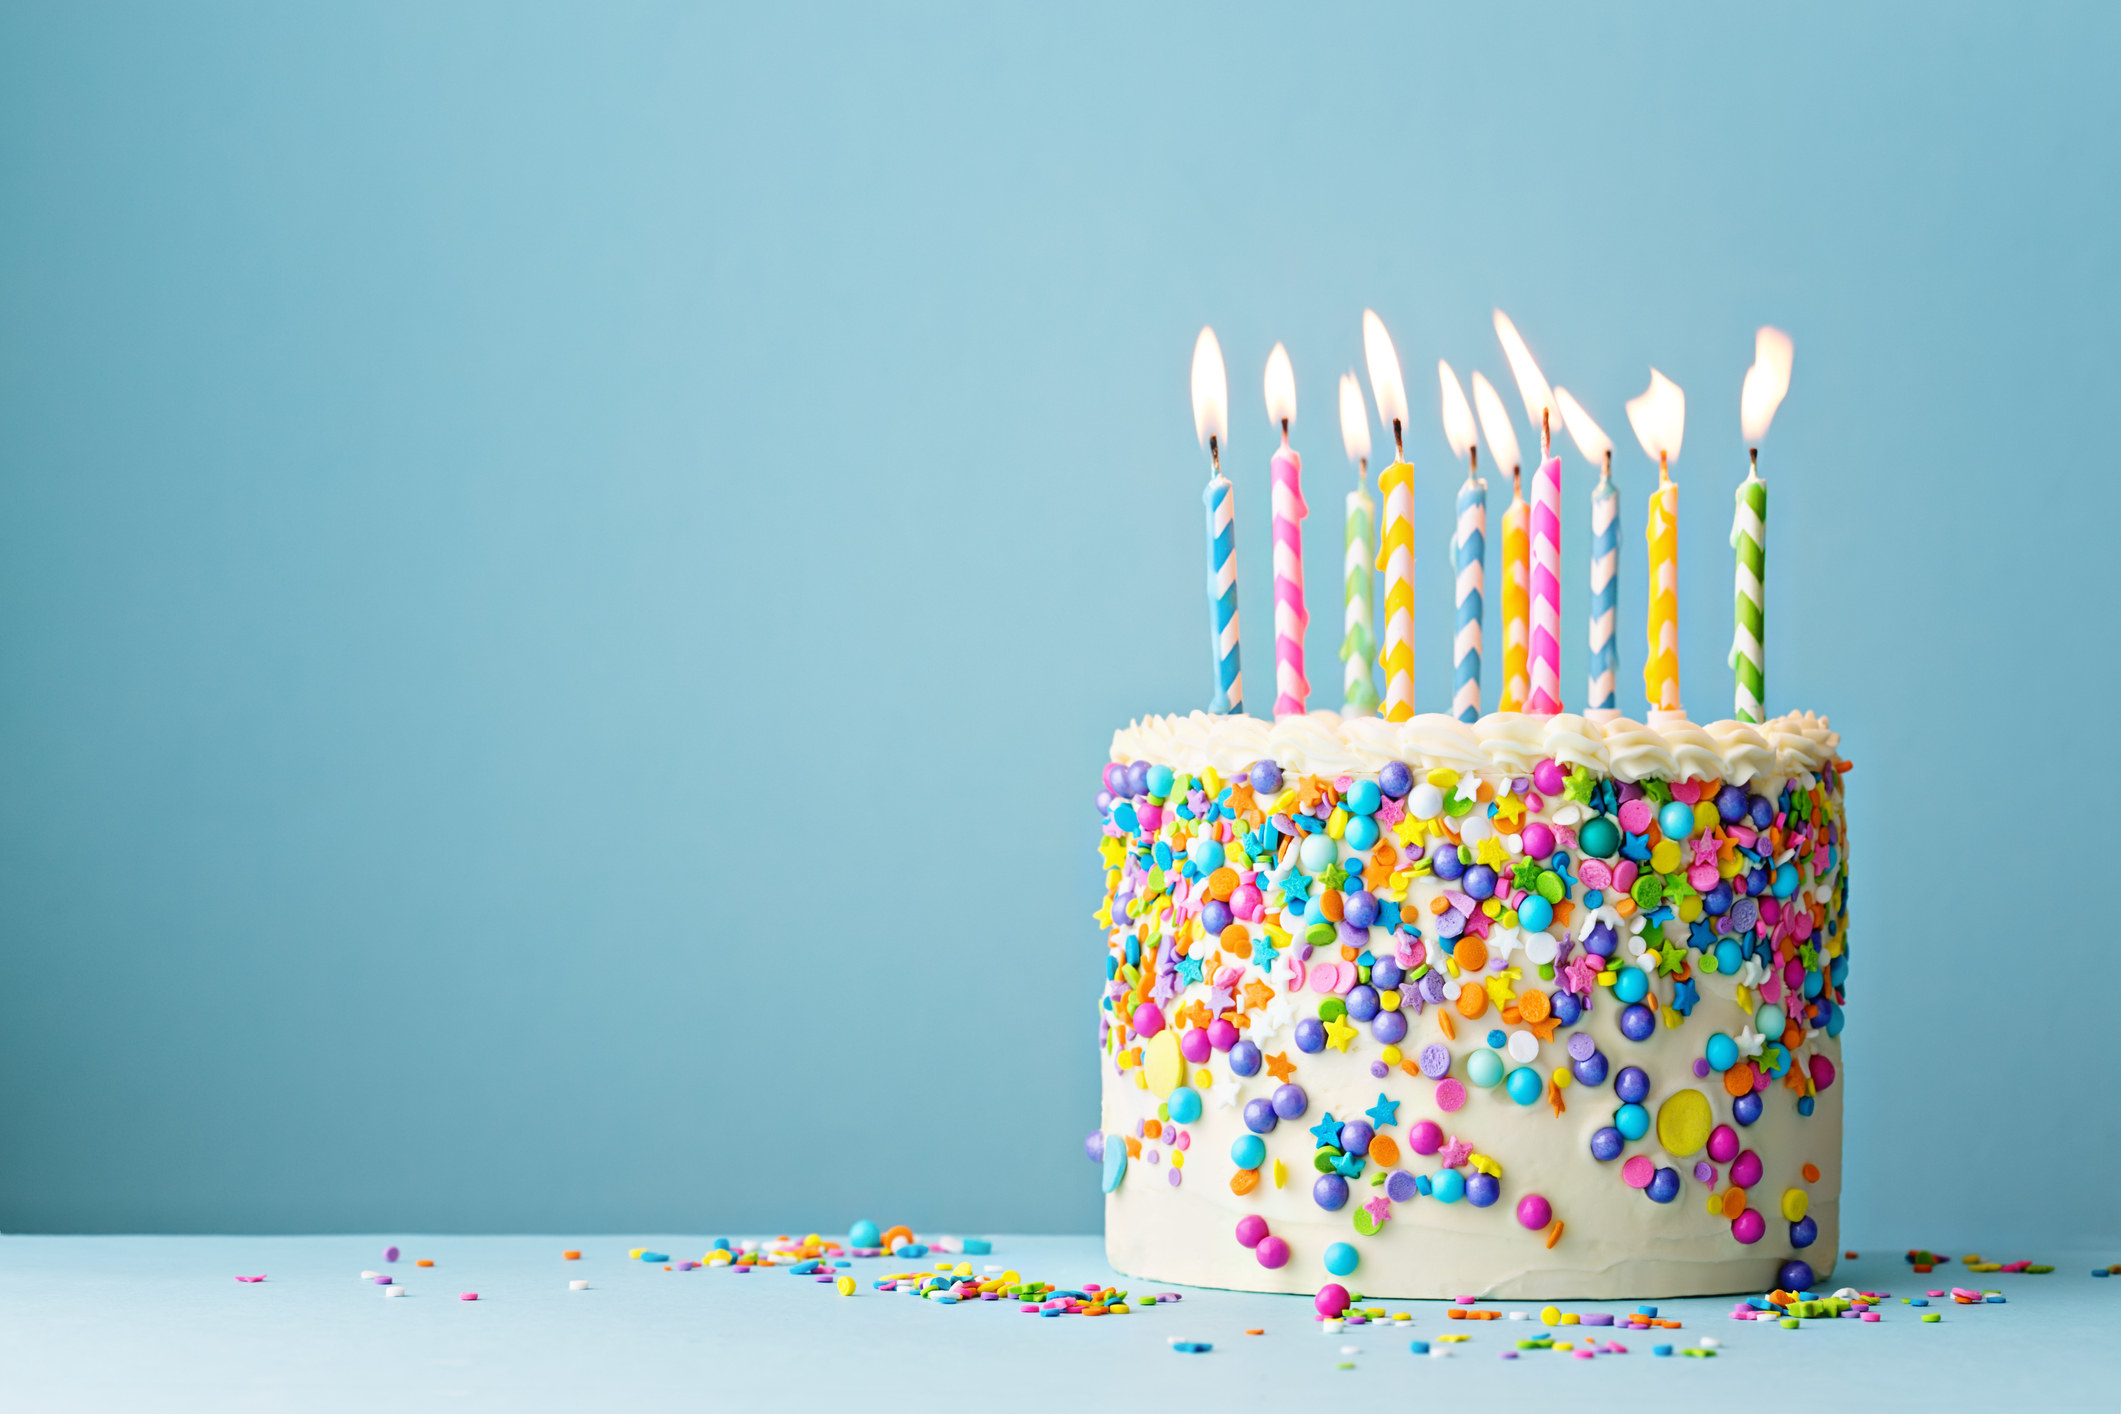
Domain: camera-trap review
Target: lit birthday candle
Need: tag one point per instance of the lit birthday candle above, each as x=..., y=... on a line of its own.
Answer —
x=1211, y=401
x=1395, y=553
x=1516, y=546
x=1765, y=383
x=1659, y=420
x=1358, y=641
x=1544, y=642
x=1597, y=449
x=1292, y=690
x=1469, y=546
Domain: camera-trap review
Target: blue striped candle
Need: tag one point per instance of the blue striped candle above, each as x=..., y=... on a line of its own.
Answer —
x=1222, y=594
x=1605, y=588
x=1470, y=545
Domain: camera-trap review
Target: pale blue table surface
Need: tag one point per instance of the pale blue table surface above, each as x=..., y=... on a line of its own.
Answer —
x=150, y=1323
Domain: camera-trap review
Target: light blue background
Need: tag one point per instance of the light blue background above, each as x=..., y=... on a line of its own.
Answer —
x=565, y=573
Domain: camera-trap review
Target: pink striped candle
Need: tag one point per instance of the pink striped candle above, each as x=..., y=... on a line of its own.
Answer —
x=1291, y=690
x=1545, y=699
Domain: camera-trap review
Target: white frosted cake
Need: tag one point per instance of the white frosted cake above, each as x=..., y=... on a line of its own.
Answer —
x=1530, y=1007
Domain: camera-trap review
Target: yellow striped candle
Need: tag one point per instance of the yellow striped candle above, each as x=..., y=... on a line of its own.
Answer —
x=1395, y=549
x=1659, y=419
x=1516, y=597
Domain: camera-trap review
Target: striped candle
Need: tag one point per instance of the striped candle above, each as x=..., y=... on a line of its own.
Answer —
x=1222, y=594
x=1749, y=539
x=1358, y=642
x=1470, y=548
x=1605, y=589
x=1660, y=672
x=1516, y=597
x=1291, y=690
x=1395, y=557
x=1545, y=698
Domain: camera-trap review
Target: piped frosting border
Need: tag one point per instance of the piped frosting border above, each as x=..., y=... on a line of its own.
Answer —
x=1791, y=747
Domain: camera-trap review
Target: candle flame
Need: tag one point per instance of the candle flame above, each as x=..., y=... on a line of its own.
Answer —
x=1457, y=414
x=1385, y=386
x=1531, y=383
x=1211, y=390
x=1590, y=438
x=1354, y=419
x=1495, y=424
x=1281, y=387
x=1765, y=382
x=1659, y=418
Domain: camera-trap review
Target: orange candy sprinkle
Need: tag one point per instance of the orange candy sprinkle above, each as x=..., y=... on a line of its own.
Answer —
x=1811, y=1175
x=569, y=1255
x=1473, y=1001
x=1384, y=1150
x=1472, y=955
x=1244, y=1181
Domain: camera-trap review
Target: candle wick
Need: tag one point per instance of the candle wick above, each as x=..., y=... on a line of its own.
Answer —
x=1362, y=472
x=1285, y=432
x=1545, y=436
x=1473, y=461
x=1756, y=461
x=1399, y=445
x=1215, y=459
x=1664, y=469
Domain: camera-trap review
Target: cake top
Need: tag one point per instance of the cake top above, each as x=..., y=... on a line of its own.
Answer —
x=1788, y=748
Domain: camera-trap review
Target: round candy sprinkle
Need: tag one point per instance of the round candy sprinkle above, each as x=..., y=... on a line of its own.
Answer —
x=1250, y=1229
x=1435, y=1060
x=1395, y=779
x=1663, y=1186
x=1524, y=1086
x=1244, y=1059
x=1632, y=1120
x=1606, y=1144
x=1746, y=1171
x=1184, y=1105
x=1749, y=1227
x=1330, y=1192
x=1722, y=1052
x=1342, y=1259
x=390, y=1254
x=1450, y=1095
x=1746, y=1108
x=1272, y=1252
x=864, y=1233
x=1632, y=1085
x=1332, y=1299
x=1482, y=1189
x=1310, y=1035
x=1484, y=1068
x=1632, y=985
x=1638, y=1171
x=1248, y=1151
x=1598, y=837
x=1260, y=1117
x=1638, y=1022
x=1796, y=1275
x=1425, y=1136
x=1290, y=1101
x=1804, y=1232
x=1534, y=1212
x=1676, y=820
x=1723, y=1143
x=1448, y=1186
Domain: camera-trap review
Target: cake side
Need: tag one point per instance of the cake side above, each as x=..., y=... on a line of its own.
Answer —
x=1530, y=1007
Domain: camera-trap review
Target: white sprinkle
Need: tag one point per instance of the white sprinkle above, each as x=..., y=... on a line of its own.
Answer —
x=1517, y=1315
x=1351, y=1350
x=370, y=1276
x=578, y=1285
x=393, y=1291
x=1710, y=1342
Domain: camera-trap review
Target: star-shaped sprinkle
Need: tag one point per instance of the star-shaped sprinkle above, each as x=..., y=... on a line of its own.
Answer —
x=1327, y=1132
x=1670, y=958
x=1264, y=951
x=1454, y=1154
x=1684, y=996
x=1189, y=970
x=1467, y=788
x=1339, y=1033
x=1379, y=1208
x=1390, y=812
x=1749, y=1041
x=1224, y=1092
x=1333, y=877
x=1166, y=990
x=1280, y=1066
x=1384, y=1112
x=1275, y=1017
x=1257, y=994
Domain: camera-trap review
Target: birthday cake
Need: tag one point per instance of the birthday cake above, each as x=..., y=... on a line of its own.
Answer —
x=1532, y=1006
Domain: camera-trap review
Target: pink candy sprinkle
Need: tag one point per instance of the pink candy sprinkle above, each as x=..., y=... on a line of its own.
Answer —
x=467, y=1296
x=251, y=1279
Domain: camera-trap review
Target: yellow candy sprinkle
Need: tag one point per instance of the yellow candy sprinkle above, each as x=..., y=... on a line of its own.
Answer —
x=1443, y=778
x=1550, y=1315
x=1794, y=1203
x=1562, y=1079
x=1390, y=1055
x=1666, y=856
x=1281, y=1173
x=844, y=1285
x=1570, y=1318
x=1202, y=1079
